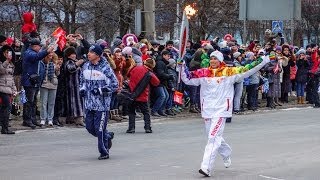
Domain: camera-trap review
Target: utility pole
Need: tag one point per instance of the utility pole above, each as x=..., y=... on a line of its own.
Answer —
x=177, y=24
x=149, y=19
x=292, y=22
x=245, y=26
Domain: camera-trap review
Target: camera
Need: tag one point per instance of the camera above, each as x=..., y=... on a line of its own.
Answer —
x=127, y=57
x=85, y=58
x=10, y=53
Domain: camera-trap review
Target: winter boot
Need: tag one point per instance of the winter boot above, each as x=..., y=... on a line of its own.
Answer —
x=113, y=116
x=132, y=124
x=302, y=101
x=57, y=122
x=147, y=128
x=5, y=124
x=276, y=102
x=169, y=112
x=118, y=116
x=298, y=100
x=79, y=122
x=193, y=109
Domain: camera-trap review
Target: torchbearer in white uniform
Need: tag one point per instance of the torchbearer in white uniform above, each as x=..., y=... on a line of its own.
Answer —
x=216, y=96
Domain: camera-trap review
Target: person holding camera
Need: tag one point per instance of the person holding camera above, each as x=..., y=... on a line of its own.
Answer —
x=31, y=80
x=7, y=88
x=79, y=43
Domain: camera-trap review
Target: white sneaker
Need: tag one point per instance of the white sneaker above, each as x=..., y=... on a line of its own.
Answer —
x=42, y=122
x=204, y=172
x=227, y=162
x=50, y=123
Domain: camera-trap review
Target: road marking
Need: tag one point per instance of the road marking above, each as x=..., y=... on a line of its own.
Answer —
x=176, y=166
x=268, y=177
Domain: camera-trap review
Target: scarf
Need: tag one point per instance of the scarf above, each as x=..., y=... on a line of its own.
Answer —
x=223, y=70
x=49, y=69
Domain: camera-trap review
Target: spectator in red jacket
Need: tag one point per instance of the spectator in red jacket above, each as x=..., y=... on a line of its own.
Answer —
x=141, y=102
x=315, y=74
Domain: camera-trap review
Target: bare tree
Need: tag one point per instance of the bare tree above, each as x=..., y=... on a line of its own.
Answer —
x=311, y=15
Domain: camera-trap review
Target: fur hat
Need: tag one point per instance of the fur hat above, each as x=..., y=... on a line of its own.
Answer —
x=68, y=51
x=150, y=63
x=285, y=46
x=218, y=55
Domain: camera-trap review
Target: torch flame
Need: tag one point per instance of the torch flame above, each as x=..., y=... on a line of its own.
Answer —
x=190, y=11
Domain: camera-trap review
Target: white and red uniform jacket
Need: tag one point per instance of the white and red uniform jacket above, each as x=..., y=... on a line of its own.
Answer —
x=216, y=93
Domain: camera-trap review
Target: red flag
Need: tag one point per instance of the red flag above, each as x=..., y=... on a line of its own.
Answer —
x=58, y=32
x=62, y=42
x=60, y=35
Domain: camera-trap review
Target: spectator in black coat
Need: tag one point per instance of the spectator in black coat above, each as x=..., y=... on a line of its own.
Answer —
x=161, y=92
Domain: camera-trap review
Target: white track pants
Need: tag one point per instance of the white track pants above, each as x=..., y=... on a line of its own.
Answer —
x=214, y=130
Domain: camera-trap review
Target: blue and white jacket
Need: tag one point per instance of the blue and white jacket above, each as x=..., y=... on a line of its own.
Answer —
x=99, y=76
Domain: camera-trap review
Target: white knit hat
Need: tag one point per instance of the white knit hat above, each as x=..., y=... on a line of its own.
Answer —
x=218, y=55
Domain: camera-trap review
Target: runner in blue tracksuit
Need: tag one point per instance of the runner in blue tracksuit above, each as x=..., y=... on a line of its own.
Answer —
x=97, y=83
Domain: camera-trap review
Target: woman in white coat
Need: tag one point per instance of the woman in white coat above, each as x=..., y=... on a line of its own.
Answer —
x=216, y=95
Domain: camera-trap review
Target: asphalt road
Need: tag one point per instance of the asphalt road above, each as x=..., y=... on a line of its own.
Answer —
x=277, y=145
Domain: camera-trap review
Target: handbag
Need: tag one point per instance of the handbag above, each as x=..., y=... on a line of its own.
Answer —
x=35, y=78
